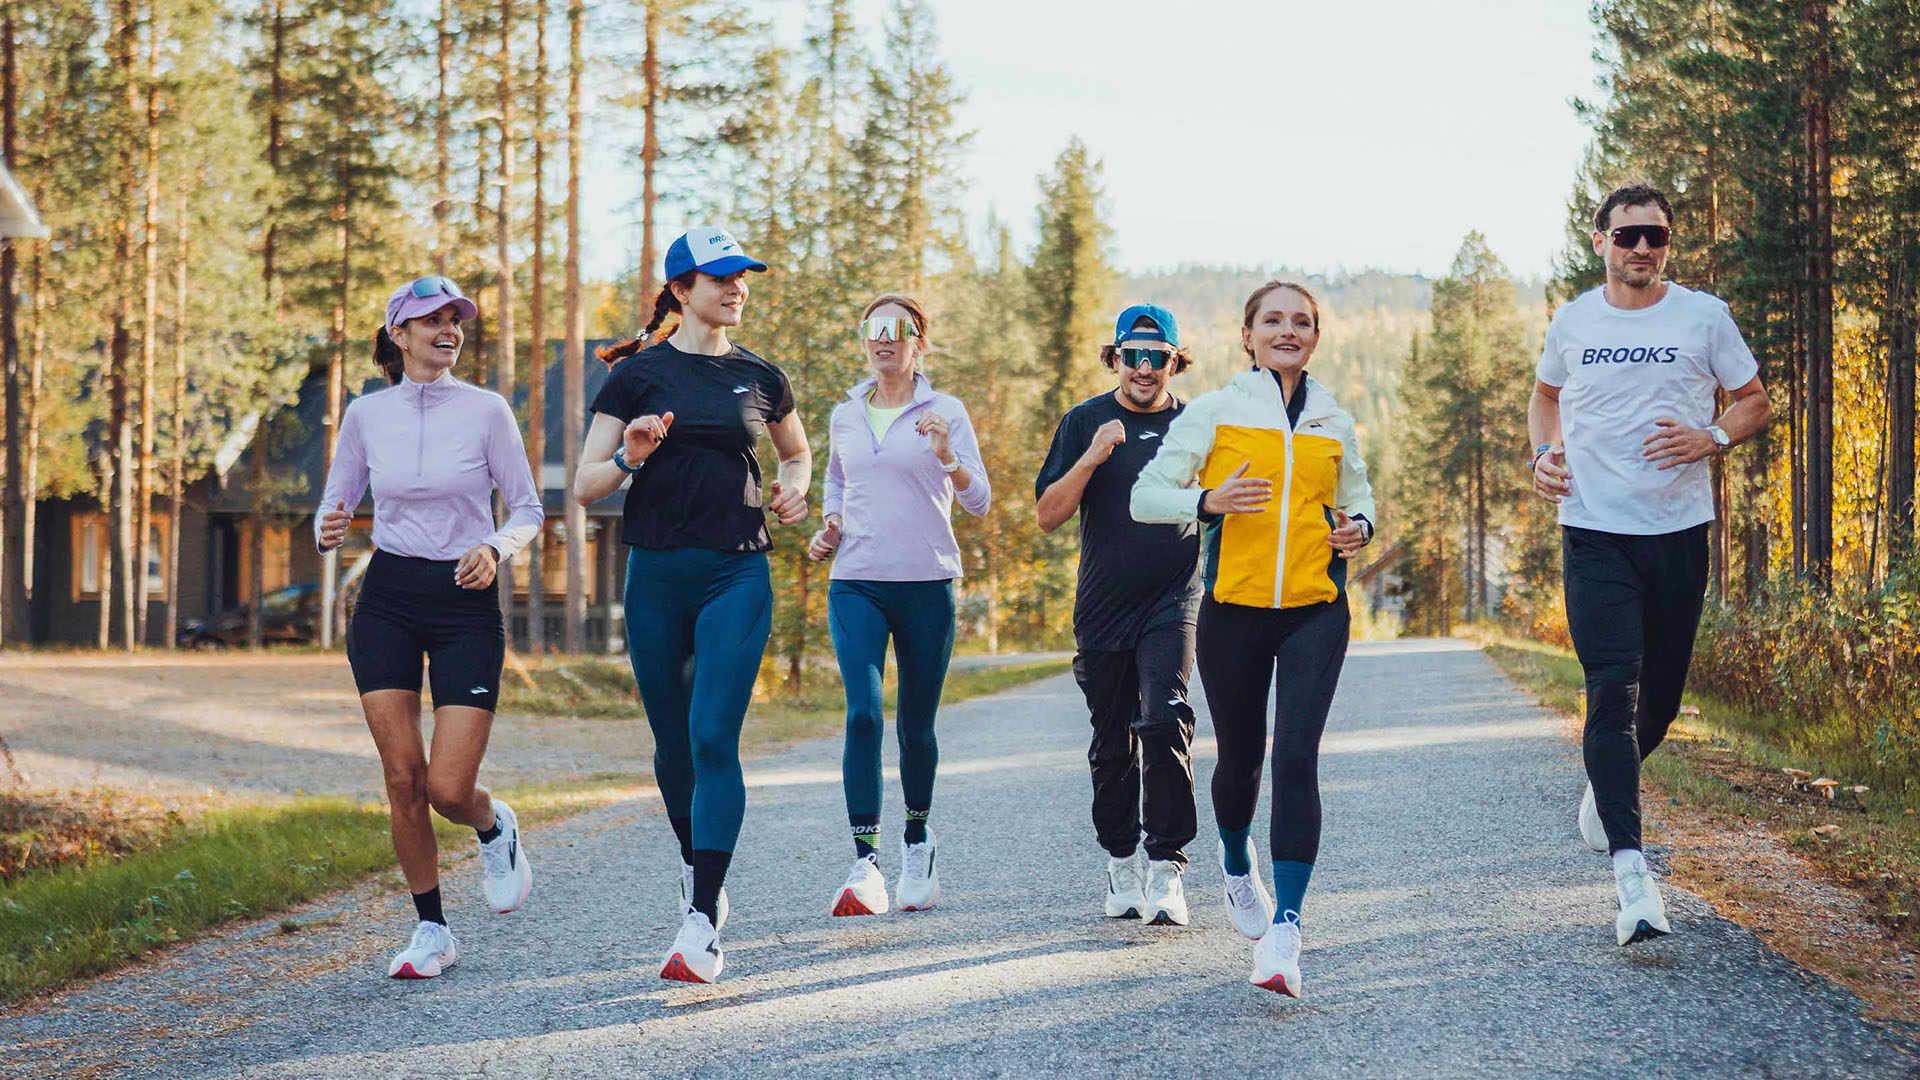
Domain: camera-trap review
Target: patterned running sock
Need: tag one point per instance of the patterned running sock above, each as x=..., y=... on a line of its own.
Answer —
x=709, y=873
x=1237, y=859
x=1289, y=887
x=491, y=833
x=866, y=835
x=917, y=826
x=683, y=832
x=427, y=906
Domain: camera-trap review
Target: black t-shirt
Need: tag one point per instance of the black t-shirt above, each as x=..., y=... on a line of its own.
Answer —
x=701, y=487
x=1132, y=576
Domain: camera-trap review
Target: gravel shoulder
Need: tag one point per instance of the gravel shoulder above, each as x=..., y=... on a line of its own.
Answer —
x=1456, y=928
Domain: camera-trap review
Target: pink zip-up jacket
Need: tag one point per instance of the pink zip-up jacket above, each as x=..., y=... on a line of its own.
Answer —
x=433, y=453
x=894, y=500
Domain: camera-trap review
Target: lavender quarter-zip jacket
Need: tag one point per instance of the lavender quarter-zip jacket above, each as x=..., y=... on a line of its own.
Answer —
x=433, y=453
x=894, y=500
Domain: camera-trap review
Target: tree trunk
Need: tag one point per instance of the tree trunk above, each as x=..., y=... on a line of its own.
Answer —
x=178, y=406
x=442, y=157
x=257, y=480
x=13, y=504
x=1900, y=395
x=36, y=357
x=574, y=356
x=120, y=418
x=1819, y=444
x=649, y=156
x=149, y=339
x=331, y=608
x=503, y=371
x=537, y=327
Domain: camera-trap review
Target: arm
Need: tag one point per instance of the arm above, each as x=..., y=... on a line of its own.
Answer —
x=1674, y=444
x=1058, y=488
x=508, y=466
x=1552, y=480
x=346, y=486
x=1058, y=503
x=1353, y=499
x=789, y=502
x=970, y=482
x=1165, y=493
x=597, y=477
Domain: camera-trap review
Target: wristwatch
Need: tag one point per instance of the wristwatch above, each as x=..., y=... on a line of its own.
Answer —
x=950, y=466
x=1721, y=440
x=620, y=461
x=1534, y=461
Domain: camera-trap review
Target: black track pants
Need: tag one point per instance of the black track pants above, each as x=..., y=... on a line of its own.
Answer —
x=1299, y=652
x=1633, y=605
x=1142, y=729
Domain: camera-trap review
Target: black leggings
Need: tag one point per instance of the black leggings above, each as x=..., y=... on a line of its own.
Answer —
x=1633, y=605
x=1299, y=651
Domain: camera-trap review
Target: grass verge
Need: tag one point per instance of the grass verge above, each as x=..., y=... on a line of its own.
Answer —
x=1723, y=776
x=166, y=878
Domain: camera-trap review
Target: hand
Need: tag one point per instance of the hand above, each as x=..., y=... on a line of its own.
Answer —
x=1675, y=444
x=1348, y=536
x=1105, y=438
x=644, y=435
x=476, y=567
x=788, y=506
x=826, y=541
x=1552, y=480
x=934, y=427
x=333, y=527
x=1239, y=494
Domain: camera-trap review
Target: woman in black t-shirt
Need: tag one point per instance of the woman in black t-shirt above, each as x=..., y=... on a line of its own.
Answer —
x=682, y=417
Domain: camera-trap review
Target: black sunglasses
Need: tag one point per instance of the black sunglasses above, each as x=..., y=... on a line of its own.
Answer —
x=1157, y=358
x=1628, y=237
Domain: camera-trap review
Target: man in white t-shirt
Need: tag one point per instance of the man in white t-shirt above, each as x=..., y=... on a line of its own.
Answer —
x=1622, y=424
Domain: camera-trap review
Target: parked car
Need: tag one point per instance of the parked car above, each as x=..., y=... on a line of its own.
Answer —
x=289, y=615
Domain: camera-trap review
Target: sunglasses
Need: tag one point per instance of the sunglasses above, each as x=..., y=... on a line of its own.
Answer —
x=1628, y=237
x=434, y=285
x=888, y=328
x=1155, y=358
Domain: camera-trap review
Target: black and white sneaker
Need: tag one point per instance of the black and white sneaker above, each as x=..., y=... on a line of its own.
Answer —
x=505, y=876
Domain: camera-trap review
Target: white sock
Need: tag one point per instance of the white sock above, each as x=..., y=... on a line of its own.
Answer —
x=1628, y=859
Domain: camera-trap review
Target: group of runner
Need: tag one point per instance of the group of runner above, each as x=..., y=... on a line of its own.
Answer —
x=1214, y=531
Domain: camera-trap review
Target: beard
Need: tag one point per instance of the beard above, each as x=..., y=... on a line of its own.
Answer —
x=1638, y=277
x=1140, y=395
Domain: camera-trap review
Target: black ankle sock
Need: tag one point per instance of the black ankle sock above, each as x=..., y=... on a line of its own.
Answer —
x=917, y=826
x=427, y=905
x=866, y=835
x=491, y=833
x=683, y=832
x=709, y=873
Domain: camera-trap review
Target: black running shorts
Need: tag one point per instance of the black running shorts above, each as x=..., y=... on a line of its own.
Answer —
x=411, y=609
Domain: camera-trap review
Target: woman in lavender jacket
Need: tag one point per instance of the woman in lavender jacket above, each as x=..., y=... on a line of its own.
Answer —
x=433, y=449
x=900, y=453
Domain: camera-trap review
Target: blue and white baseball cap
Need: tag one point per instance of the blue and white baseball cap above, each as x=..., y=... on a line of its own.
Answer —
x=1163, y=328
x=710, y=250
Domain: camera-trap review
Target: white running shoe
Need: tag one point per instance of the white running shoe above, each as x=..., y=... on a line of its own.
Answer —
x=1276, y=960
x=429, y=953
x=695, y=956
x=865, y=892
x=1166, y=894
x=720, y=906
x=919, y=887
x=1126, y=887
x=505, y=877
x=1594, y=833
x=1249, y=905
x=1642, y=914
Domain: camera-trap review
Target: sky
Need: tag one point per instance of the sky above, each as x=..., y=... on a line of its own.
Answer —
x=1317, y=135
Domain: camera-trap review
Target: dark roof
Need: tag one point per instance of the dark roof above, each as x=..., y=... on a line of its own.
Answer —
x=299, y=434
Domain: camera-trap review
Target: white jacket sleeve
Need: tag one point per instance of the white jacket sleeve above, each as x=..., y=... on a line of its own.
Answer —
x=1165, y=492
x=1354, y=496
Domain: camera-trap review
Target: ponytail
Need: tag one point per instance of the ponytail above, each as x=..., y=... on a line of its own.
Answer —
x=664, y=304
x=387, y=356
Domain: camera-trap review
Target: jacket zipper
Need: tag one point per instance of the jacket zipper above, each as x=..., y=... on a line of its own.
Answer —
x=1286, y=511
x=420, y=443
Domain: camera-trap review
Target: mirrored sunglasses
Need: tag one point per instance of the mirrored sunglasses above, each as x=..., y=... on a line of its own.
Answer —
x=887, y=328
x=1155, y=358
x=435, y=285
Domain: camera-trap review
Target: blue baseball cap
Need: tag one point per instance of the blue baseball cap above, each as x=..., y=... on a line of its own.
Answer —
x=710, y=250
x=1163, y=328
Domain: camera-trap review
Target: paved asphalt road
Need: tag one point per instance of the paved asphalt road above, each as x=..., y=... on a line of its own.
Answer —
x=1456, y=928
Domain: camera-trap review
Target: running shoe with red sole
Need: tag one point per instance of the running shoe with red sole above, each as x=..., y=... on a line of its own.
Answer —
x=695, y=956
x=865, y=892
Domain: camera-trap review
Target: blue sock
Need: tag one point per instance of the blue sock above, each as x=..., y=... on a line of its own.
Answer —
x=1289, y=887
x=1235, y=842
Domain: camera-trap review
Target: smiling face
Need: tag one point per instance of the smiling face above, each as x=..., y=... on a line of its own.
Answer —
x=1282, y=334
x=893, y=357
x=1641, y=265
x=714, y=301
x=1144, y=386
x=431, y=342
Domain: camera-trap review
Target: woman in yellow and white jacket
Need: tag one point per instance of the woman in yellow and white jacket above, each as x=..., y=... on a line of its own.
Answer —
x=1270, y=465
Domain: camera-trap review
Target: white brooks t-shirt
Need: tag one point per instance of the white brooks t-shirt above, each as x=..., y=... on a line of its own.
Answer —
x=1618, y=371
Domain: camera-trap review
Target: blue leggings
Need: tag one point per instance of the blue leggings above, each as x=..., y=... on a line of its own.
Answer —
x=919, y=617
x=697, y=626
